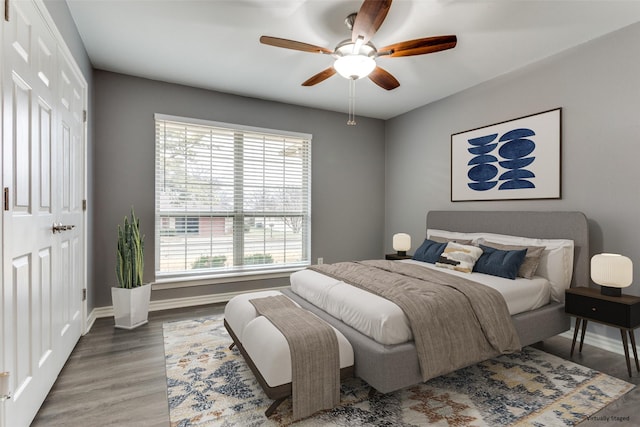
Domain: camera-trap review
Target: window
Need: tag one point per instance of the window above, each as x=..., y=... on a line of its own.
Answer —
x=230, y=199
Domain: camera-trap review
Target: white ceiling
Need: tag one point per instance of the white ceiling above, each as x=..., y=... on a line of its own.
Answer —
x=214, y=44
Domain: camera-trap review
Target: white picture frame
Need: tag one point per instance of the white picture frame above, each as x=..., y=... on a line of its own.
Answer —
x=518, y=159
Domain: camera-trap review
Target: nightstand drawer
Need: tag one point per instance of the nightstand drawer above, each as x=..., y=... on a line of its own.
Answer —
x=396, y=257
x=597, y=309
x=588, y=304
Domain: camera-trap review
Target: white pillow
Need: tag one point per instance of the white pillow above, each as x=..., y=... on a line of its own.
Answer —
x=556, y=263
x=453, y=235
x=459, y=257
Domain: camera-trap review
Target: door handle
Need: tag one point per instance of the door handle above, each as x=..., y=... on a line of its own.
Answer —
x=4, y=386
x=59, y=227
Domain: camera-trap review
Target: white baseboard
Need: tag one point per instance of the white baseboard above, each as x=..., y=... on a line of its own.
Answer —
x=91, y=319
x=606, y=343
x=167, y=304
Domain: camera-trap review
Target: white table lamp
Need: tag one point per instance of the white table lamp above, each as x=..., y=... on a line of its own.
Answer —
x=401, y=243
x=612, y=272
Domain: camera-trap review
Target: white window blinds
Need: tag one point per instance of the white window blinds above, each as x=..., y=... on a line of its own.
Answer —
x=230, y=198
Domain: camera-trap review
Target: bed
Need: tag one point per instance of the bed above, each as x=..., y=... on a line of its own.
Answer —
x=391, y=363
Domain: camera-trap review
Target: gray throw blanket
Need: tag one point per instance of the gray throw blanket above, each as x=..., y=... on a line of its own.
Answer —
x=455, y=322
x=315, y=357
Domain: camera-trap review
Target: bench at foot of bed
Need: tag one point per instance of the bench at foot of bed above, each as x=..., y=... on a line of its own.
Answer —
x=266, y=350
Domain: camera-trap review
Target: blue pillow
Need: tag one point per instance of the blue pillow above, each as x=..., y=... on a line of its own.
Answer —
x=429, y=251
x=499, y=263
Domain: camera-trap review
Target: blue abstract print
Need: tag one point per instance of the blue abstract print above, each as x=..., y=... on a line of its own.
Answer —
x=514, y=149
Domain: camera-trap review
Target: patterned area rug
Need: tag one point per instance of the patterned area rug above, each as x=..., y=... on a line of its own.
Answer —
x=210, y=385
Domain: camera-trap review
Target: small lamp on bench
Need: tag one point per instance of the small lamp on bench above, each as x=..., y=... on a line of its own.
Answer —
x=612, y=272
x=401, y=243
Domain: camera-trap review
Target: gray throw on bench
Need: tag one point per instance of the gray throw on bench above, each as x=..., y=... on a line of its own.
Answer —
x=315, y=357
x=455, y=322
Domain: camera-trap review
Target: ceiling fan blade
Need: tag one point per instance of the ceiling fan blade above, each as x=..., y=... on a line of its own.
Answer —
x=292, y=44
x=320, y=77
x=419, y=46
x=384, y=79
x=369, y=18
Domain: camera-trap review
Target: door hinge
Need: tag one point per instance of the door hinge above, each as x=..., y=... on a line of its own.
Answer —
x=84, y=204
x=6, y=10
x=84, y=116
x=84, y=294
x=6, y=199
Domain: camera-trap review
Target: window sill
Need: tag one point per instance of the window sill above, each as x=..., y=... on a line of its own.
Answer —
x=189, y=281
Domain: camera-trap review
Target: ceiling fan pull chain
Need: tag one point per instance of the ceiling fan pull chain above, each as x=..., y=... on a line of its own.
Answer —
x=352, y=103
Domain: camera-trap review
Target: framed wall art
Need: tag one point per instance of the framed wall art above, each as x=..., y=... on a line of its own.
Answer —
x=513, y=160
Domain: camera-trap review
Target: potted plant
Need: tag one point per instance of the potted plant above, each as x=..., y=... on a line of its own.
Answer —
x=131, y=298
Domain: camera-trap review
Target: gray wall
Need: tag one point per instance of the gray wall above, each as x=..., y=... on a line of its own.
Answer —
x=347, y=171
x=59, y=11
x=598, y=87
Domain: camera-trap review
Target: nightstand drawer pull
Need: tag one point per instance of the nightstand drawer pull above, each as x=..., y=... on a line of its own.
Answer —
x=594, y=309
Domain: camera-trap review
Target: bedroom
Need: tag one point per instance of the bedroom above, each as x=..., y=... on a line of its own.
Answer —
x=596, y=85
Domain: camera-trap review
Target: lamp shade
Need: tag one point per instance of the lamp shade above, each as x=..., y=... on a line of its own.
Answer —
x=354, y=66
x=401, y=242
x=355, y=60
x=612, y=270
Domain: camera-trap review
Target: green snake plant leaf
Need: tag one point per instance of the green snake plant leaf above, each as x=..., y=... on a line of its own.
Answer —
x=130, y=253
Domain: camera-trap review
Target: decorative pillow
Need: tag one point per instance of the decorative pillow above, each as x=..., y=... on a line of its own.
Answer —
x=556, y=263
x=445, y=240
x=531, y=260
x=429, y=251
x=459, y=257
x=442, y=236
x=499, y=263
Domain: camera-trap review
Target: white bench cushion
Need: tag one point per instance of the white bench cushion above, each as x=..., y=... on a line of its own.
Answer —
x=239, y=311
x=265, y=344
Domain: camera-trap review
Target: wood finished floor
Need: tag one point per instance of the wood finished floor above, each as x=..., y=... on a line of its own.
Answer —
x=117, y=378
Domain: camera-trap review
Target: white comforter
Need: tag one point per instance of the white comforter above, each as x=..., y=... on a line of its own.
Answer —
x=384, y=321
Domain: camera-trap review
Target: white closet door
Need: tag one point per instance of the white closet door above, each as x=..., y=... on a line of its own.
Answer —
x=42, y=179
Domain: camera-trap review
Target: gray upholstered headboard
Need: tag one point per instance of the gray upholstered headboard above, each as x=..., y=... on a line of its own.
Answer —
x=543, y=225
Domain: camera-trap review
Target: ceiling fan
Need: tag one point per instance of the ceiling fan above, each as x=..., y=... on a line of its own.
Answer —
x=355, y=57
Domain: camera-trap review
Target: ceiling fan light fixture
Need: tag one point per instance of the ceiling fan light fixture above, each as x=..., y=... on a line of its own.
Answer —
x=355, y=57
x=354, y=60
x=354, y=67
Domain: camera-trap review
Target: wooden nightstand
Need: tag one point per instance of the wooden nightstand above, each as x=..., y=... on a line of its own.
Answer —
x=588, y=304
x=396, y=257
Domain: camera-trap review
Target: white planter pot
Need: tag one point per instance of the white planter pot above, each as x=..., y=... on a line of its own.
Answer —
x=131, y=306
